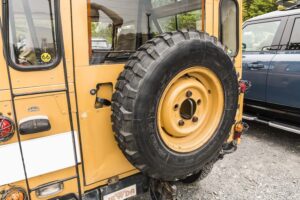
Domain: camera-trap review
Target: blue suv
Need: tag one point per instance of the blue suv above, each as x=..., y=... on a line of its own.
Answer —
x=271, y=61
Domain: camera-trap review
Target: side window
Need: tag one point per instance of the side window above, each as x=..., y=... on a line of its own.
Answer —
x=32, y=34
x=229, y=25
x=258, y=36
x=294, y=43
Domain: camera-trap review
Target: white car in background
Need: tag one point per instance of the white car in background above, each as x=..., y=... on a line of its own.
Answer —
x=100, y=44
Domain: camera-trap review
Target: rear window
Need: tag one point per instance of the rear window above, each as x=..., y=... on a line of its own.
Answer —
x=32, y=35
x=229, y=25
x=260, y=36
x=125, y=25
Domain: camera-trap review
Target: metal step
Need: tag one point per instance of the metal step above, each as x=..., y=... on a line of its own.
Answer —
x=249, y=118
x=278, y=125
x=285, y=127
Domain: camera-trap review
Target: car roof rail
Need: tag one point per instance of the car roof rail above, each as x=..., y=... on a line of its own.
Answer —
x=294, y=7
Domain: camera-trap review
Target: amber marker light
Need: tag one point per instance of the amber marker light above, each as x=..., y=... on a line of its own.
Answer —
x=239, y=128
x=15, y=193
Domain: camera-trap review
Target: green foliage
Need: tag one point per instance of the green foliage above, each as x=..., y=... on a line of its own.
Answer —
x=189, y=20
x=100, y=30
x=253, y=8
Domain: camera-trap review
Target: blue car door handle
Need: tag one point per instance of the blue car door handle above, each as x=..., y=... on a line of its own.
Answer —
x=256, y=66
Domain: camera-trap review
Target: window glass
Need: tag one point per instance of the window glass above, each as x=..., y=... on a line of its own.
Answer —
x=294, y=43
x=32, y=34
x=190, y=20
x=168, y=24
x=118, y=27
x=159, y=3
x=256, y=37
x=229, y=25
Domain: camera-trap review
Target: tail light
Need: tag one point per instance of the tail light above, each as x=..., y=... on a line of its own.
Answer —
x=15, y=193
x=7, y=129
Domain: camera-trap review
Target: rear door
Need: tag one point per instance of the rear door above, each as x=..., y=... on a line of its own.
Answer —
x=39, y=95
x=260, y=41
x=284, y=73
x=124, y=25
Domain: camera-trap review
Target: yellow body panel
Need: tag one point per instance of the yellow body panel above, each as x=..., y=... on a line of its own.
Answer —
x=101, y=157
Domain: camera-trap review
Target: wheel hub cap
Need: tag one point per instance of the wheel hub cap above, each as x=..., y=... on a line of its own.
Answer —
x=190, y=109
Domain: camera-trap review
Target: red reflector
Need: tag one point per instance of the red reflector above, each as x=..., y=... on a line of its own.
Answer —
x=6, y=129
x=237, y=135
x=244, y=86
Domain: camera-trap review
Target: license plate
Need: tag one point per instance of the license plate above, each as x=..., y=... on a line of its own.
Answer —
x=122, y=194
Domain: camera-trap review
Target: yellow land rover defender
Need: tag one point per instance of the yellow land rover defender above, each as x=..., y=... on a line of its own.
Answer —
x=109, y=99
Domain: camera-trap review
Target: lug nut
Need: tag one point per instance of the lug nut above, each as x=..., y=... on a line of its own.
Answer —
x=181, y=123
x=195, y=119
x=189, y=94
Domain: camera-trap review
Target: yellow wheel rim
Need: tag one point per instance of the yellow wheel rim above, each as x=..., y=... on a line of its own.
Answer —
x=190, y=109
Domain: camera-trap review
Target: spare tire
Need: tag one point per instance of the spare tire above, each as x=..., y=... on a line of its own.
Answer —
x=175, y=104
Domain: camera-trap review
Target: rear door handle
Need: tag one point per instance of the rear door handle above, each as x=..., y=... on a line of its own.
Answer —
x=256, y=65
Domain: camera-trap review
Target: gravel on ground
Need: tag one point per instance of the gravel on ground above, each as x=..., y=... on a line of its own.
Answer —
x=265, y=166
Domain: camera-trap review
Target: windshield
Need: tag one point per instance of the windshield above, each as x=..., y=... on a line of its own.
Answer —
x=127, y=24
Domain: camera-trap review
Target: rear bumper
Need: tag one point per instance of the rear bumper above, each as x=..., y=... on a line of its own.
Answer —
x=140, y=181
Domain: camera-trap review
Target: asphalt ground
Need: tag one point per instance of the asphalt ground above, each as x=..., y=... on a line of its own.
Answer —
x=265, y=166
